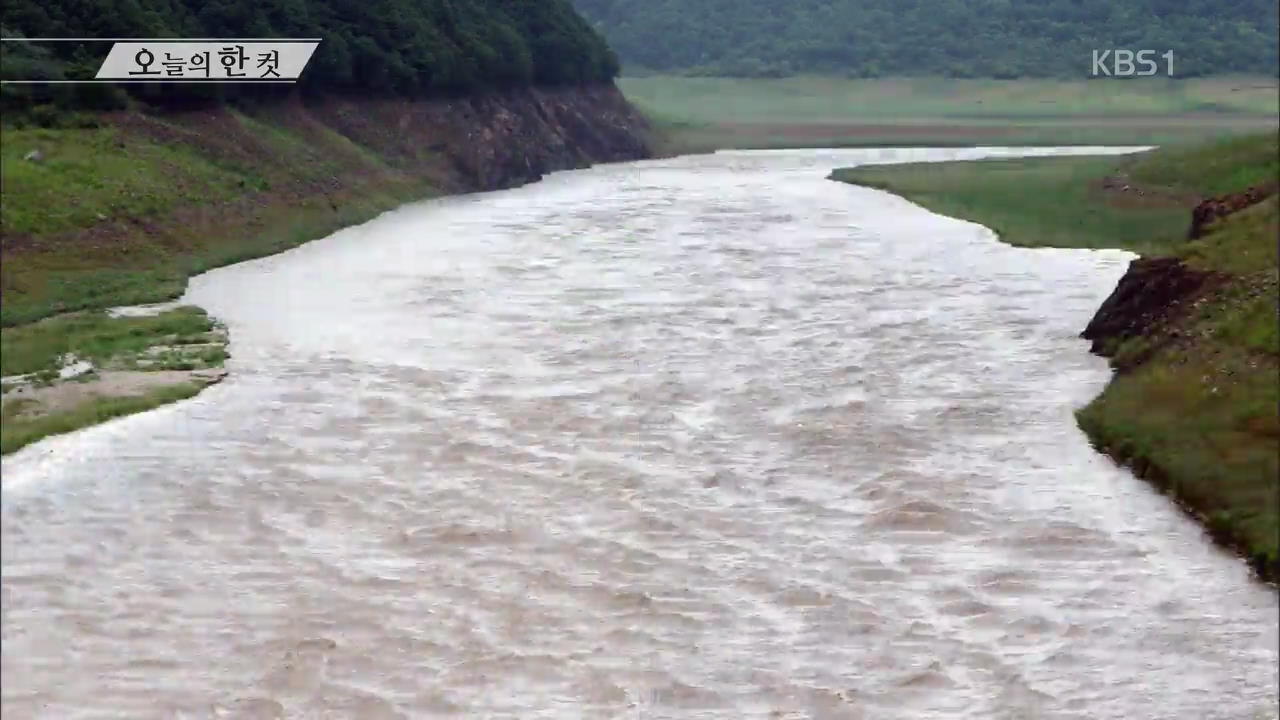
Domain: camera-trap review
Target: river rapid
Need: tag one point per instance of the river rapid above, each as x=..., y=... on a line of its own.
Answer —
x=703, y=437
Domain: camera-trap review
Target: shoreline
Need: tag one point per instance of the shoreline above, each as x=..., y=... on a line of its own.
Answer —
x=37, y=407
x=1190, y=330
x=163, y=197
x=87, y=368
x=54, y=401
x=1144, y=465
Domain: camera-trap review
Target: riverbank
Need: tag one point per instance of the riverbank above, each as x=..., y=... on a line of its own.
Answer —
x=70, y=371
x=674, y=411
x=701, y=114
x=1192, y=328
x=122, y=208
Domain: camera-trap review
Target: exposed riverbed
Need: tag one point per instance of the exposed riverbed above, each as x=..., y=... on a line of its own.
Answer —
x=709, y=436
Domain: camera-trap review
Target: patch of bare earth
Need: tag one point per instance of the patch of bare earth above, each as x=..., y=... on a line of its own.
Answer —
x=35, y=401
x=1119, y=191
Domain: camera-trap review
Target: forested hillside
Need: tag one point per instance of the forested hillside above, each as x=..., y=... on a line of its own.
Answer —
x=958, y=38
x=384, y=47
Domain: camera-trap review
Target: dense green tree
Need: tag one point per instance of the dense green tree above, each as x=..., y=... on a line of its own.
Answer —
x=966, y=38
x=387, y=47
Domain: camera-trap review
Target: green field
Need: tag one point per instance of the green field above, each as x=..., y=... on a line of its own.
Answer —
x=1194, y=406
x=1034, y=202
x=1061, y=202
x=701, y=113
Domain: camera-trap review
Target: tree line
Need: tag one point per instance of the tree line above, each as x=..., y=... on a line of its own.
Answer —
x=950, y=38
x=403, y=48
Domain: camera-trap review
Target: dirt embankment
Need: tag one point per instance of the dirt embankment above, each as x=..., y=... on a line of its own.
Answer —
x=1156, y=292
x=494, y=141
x=1148, y=302
x=1212, y=209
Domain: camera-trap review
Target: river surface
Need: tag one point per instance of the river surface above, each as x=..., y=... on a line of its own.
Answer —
x=704, y=437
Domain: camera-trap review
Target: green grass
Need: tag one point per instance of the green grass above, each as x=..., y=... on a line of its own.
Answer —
x=705, y=113
x=293, y=227
x=139, y=251
x=1060, y=201
x=17, y=432
x=1198, y=414
x=124, y=214
x=308, y=158
x=687, y=138
x=96, y=337
x=1251, y=325
x=14, y=408
x=1246, y=244
x=1207, y=438
x=88, y=174
x=1211, y=168
x=183, y=335
x=1034, y=202
x=62, y=280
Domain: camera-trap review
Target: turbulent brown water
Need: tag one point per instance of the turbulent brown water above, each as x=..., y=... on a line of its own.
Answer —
x=706, y=437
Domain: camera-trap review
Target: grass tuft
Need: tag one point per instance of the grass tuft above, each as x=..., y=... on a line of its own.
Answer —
x=96, y=337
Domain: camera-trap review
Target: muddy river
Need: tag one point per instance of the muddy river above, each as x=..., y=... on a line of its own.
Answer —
x=705, y=437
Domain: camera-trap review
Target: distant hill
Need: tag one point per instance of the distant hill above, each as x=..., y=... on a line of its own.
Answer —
x=957, y=38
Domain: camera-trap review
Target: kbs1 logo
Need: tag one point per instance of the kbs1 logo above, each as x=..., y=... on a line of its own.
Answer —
x=1128, y=63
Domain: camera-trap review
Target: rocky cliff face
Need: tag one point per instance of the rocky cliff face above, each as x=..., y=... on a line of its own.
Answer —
x=495, y=141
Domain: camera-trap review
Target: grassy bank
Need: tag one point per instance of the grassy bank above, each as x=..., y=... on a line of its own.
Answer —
x=20, y=428
x=1068, y=201
x=121, y=210
x=74, y=370
x=126, y=212
x=1037, y=202
x=98, y=338
x=698, y=114
x=1194, y=405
